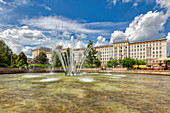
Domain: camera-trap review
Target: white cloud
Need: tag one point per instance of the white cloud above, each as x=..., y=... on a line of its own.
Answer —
x=164, y=4
x=117, y=36
x=168, y=42
x=80, y=44
x=114, y=2
x=101, y=41
x=143, y=27
x=125, y=1
x=147, y=26
x=44, y=6
x=47, y=8
x=20, y=39
x=24, y=27
x=16, y=3
x=58, y=24
x=3, y=2
x=135, y=5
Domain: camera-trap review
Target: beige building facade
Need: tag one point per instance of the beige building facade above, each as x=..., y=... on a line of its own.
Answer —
x=148, y=51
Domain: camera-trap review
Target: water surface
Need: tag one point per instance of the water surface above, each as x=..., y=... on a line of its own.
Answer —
x=54, y=92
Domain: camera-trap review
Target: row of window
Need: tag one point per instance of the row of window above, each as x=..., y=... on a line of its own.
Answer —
x=146, y=45
x=140, y=57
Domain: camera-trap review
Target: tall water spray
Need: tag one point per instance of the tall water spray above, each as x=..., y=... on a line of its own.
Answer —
x=68, y=60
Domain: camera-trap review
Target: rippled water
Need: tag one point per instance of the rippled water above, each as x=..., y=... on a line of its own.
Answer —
x=54, y=92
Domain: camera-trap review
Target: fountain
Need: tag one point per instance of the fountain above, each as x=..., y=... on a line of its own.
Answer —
x=68, y=62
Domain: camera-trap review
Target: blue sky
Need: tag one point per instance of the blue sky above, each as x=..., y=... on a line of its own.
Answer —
x=26, y=24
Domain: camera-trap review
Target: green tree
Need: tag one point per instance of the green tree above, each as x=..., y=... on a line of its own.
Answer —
x=91, y=58
x=41, y=58
x=59, y=47
x=128, y=62
x=141, y=62
x=56, y=60
x=21, y=60
x=14, y=58
x=112, y=63
x=97, y=62
x=5, y=53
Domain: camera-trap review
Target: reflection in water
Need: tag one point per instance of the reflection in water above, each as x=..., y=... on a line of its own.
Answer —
x=49, y=80
x=58, y=93
x=86, y=79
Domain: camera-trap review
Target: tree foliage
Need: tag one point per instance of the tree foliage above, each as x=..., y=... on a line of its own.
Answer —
x=41, y=58
x=55, y=60
x=21, y=60
x=91, y=58
x=5, y=53
x=127, y=62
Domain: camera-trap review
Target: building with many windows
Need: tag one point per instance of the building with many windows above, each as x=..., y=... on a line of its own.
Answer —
x=148, y=51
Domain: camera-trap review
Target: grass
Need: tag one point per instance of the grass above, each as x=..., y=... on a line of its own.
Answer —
x=132, y=94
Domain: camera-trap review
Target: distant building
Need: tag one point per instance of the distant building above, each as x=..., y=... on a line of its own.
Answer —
x=29, y=60
x=46, y=50
x=148, y=51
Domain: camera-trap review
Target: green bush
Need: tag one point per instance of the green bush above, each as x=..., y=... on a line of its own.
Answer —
x=77, y=66
x=3, y=65
x=39, y=65
x=92, y=66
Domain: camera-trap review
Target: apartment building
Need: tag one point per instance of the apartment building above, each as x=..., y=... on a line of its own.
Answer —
x=38, y=50
x=148, y=51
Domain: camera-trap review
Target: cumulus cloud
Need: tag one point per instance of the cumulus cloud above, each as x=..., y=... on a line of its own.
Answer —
x=58, y=24
x=147, y=26
x=101, y=41
x=20, y=39
x=80, y=44
x=117, y=36
x=143, y=27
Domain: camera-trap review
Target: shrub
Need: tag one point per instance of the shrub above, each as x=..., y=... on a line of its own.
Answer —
x=39, y=65
x=92, y=66
x=3, y=65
